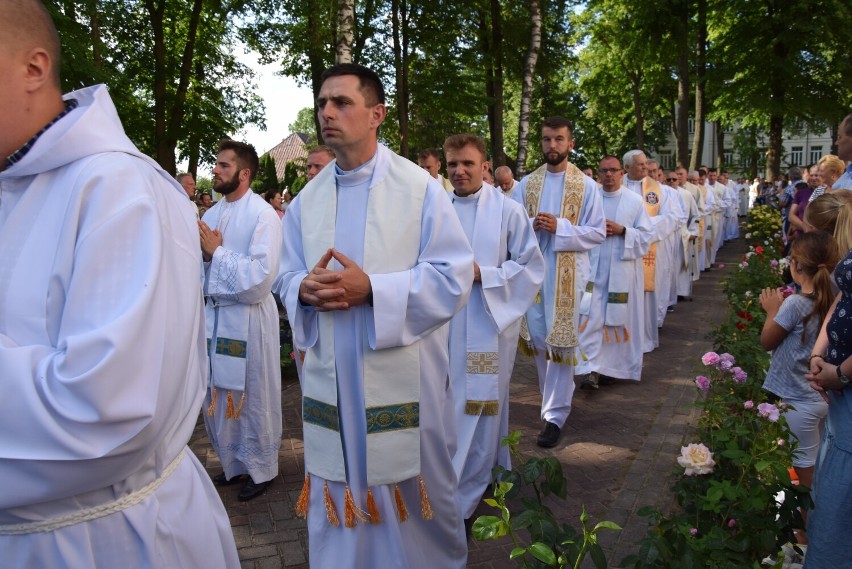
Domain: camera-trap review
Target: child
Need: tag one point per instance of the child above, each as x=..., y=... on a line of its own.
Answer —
x=791, y=328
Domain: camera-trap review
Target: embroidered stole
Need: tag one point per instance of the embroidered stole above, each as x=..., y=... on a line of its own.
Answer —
x=620, y=281
x=652, y=196
x=562, y=337
x=227, y=321
x=391, y=376
x=483, y=363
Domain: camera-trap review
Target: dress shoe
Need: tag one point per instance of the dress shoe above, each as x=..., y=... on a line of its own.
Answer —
x=549, y=436
x=253, y=489
x=220, y=480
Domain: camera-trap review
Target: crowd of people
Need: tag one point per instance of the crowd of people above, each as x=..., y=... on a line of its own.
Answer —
x=408, y=294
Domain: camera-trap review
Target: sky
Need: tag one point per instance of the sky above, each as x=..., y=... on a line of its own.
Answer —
x=283, y=99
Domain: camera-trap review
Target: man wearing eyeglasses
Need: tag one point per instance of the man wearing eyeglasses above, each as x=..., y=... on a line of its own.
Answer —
x=612, y=310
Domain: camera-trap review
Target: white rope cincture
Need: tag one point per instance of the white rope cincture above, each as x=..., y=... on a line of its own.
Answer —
x=95, y=512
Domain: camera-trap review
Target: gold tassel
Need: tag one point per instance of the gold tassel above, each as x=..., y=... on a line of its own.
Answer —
x=626, y=335
x=583, y=355
x=372, y=510
x=229, y=410
x=330, y=508
x=615, y=333
x=490, y=408
x=425, y=505
x=575, y=361
x=527, y=348
x=239, y=410
x=606, y=335
x=211, y=409
x=304, y=498
x=349, y=508
x=401, y=510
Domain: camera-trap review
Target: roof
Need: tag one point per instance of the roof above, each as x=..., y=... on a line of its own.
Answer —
x=288, y=150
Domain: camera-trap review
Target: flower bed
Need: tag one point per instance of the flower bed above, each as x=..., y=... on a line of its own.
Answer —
x=738, y=460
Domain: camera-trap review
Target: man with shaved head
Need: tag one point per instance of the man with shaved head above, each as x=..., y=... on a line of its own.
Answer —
x=101, y=332
x=505, y=180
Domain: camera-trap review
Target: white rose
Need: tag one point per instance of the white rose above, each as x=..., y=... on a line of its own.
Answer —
x=696, y=459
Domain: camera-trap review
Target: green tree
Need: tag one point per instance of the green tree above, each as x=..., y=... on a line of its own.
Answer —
x=305, y=124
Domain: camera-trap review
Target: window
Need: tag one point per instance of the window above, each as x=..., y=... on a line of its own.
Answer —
x=691, y=125
x=666, y=159
x=729, y=157
x=816, y=154
x=797, y=154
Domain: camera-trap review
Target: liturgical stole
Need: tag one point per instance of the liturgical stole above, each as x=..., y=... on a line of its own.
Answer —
x=651, y=195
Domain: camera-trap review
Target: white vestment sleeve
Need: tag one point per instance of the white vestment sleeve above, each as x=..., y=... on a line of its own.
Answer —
x=637, y=239
x=246, y=278
x=591, y=229
x=509, y=289
x=408, y=305
x=291, y=273
x=88, y=404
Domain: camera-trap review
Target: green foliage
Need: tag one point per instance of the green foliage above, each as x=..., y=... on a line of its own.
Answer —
x=305, y=124
x=266, y=178
x=729, y=516
x=294, y=178
x=551, y=544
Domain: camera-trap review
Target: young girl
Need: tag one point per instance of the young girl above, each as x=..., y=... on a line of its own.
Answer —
x=791, y=328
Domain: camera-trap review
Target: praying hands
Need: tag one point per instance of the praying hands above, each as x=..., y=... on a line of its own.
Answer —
x=327, y=289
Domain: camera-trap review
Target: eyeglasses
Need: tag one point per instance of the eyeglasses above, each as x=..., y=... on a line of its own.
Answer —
x=671, y=179
x=608, y=170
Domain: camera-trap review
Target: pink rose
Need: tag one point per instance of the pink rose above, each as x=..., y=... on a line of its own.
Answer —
x=710, y=359
x=703, y=383
x=749, y=404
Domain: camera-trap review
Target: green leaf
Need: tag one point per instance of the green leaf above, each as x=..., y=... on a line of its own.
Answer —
x=531, y=470
x=491, y=502
x=543, y=553
x=489, y=527
x=517, y=552
x=597, y=555
x=762, y=465
x=606, y=525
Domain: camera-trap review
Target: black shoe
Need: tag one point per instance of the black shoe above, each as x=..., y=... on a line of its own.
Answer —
x=468, y=527
x=606, y=380
x=670, y=309
x=589, y=382
x=549, y=436
x=220, y=480
x=253, y=489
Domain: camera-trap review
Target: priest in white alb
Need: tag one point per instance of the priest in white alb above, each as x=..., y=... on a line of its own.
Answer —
x=374, y=265
x=508, y=270
x=686, y=259
x=241, y=244
x=102, y=361
x=612, y=310
x=565, y=208
x=662, y=210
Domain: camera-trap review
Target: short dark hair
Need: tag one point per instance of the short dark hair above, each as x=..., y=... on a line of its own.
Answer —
x=609, y=157
x=702, y=171
x=557, y=122
x=246, y=155
x=458, y=141
x=370, y=83
x=711, y=169
x=270, y=194
x=427, y=152
x=847, y=120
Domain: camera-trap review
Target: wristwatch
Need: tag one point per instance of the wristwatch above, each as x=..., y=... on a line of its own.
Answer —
x=844, y=379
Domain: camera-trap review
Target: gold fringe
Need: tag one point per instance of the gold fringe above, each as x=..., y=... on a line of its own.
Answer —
x=349, y=508
x=229, y=410
x=211, y=409
x=425, y=505
x=584, y=356
x=401, y=510
x=626, y=335
x=372, y=510
x=304, y=498
x=476, y=408
x=527, y=348
x=330, y=507
x=239, y=410
x=606, y=335
x=615, y=333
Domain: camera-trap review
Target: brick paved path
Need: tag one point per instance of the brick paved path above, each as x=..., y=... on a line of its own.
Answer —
x=618, y=447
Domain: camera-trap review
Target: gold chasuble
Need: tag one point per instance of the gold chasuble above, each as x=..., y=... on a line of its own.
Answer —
x=562, y=337
x=651, y=195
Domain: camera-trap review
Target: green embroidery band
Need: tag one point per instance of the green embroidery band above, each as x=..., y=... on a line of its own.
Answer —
x=320, y=414
x=393, y=417
x=229, y=347
x=617, y=298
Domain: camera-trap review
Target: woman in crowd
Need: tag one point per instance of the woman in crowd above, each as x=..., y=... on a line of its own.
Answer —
x=830, y=168
x=273, y=198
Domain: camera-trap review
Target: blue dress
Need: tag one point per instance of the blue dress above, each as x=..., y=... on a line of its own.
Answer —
x=830, y=522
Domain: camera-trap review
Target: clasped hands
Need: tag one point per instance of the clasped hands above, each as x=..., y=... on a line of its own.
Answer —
x=823, y=377
x=326, y=289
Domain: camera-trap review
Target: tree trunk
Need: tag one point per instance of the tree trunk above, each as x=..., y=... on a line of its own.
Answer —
x=315, y=58
x=155, y=15
x=95, y=34
x=526, y=87
x=720, y=145
x=700, y=97
x=176, y=120
x=498, y=156
x=777, y=93
x=775, y=150
x=345, y=30
x=400, y=60
x=683, y=92
x=635, y=90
